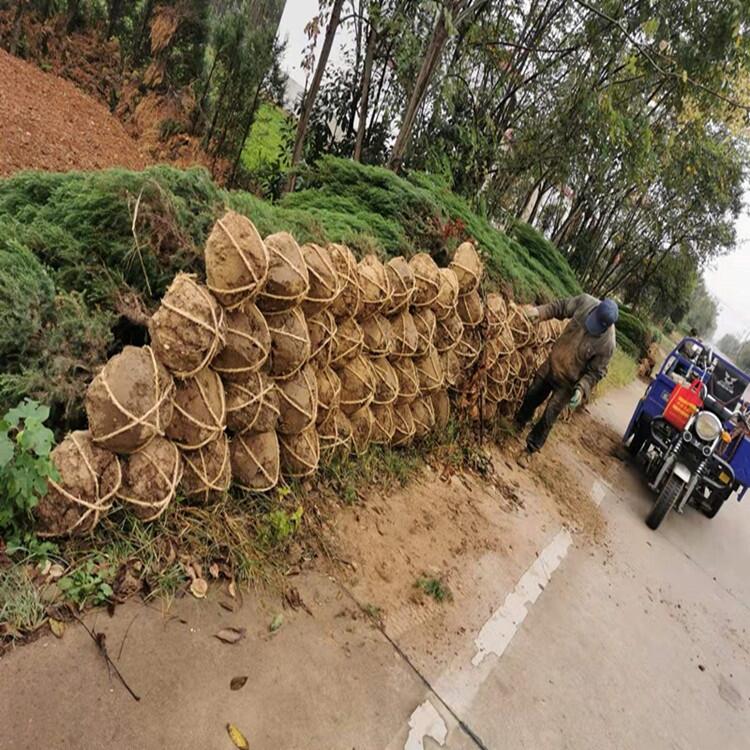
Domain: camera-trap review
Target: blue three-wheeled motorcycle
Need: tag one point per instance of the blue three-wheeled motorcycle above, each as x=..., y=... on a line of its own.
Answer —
x=692, y=431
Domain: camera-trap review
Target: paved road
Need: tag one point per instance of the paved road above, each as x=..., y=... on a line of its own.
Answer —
x=641, y=644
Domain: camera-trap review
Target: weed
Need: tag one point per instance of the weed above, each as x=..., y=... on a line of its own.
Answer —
x=21, y=605
x=434, y=587
x=278, y=526
x=89, y=583
x=374, y=612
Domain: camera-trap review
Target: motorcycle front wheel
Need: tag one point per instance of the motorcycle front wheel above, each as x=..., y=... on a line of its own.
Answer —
x=665, y=502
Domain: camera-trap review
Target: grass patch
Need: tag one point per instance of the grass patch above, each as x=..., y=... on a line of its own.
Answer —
x=622, y=371
x=435, y=588
x=21, y=606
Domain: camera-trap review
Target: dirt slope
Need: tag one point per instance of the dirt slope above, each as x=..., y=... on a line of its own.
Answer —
x=47, y=123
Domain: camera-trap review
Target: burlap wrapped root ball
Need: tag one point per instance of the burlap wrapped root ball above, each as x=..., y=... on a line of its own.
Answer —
x=383, y=424
x=445, y=302
x=521, y=328
x=471, y=309
x=207, y=471
x=423, y=415
x=430, y=371
x=377, y=336
x=404, y=429
x=448, y=333
x=298, y=401
x=403, y=284
x=130, y=400
x=348, y=342
x=329, y=392
x=405, y=335
x=247, y=343
x=290, y=342
x=469, y=347
x=236, y=260
x=321, y=329
x=386, y=381
x=441, y=407
x=426, y=278
x=252, y=406
x=362, y=425
x=188, y=329
x=374, y=285
x=495, y=314
x=451, y=364
x=150, y=478
x=335, y=436
x=89, y=477
x=325, y=284
x=357, y=384
x=300, y=453
x=347, y=303
x=200, y=413
x=468, y=267
x=424, y=322
x=408, y=379
x=288, y=280
x=254, y=457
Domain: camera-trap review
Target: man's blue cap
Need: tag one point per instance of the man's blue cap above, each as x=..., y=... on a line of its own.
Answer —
x=604, y=315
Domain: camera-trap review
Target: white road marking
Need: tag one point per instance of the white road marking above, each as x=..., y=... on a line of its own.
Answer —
x=425, y=722
x=499, y=630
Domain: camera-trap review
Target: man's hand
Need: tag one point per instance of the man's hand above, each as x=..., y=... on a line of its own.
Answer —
x=530, y=312
x=575, y=401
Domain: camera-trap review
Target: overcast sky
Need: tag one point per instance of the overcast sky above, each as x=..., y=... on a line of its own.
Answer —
x=728, y=281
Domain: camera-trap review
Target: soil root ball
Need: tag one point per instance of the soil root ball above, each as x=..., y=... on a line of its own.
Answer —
x=300, y=453
x=521, y=328
x=430, y=371
x=386, y=381
x=329, y=392
x=441, y=406
x=362, y=426
x=290, y=342
x=200, y=413
x=325, y=285
x=427, y=279
x=89, y=478
x=150, y=478
x=403, y=424
x=451, y=368
x=423, y=415
x=236, y=260
x=348, y=342
x=255, y=461
x=288, y=280
x=424, y=321
x=130, y=401
x=252, y=406
x=495, y=314
x=467, y=266
x=207, y=471
x=469, y=348
x=357, y=384
x=247, y=343
x=408, y=379
x=383, y=424
x=187, y=330
x=347, y=303
x=335, y=434
x=378, y=336
x=298, y=401
x=374, y=285
x=447, y=298
x=403, y=284
x=471, y=309
x=405, y=335
x=322, y=330
x=448, y=333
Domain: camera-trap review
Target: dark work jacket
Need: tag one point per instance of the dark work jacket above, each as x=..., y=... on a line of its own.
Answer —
x=578, y=358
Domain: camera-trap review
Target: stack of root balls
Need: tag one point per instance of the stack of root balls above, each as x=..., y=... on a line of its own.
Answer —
x=285, y=358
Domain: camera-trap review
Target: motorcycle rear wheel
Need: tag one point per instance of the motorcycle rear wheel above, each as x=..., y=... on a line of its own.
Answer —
x=665, y=502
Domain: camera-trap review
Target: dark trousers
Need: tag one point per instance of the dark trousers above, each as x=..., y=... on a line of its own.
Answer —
x=542, y=386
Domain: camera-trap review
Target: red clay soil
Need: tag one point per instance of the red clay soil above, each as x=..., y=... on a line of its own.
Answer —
x=47, y=123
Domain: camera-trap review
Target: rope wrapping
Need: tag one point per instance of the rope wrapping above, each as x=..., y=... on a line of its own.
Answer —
x=247, y=343
x=200, y=412
x=298, y=402
x=362, y=425
x=207, y=471
x=357, y=384
x=375, y=286
x=348, y=302
x=254, y=459
x=403, y=284
x=290, y=342
x=386, y=381
x=252, y=406
x=325, y=285
x=447, y=299
x=427, y=280
x=288, y=280
x=300, y=454
x=467, y=266
x=322, y=331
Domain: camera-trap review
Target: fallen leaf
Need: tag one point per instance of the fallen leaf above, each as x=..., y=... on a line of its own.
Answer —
x=232, y=589
x=214, y=570
x=55, y=571
x=231, y=635
x=45, y=568
x=57, y=627
x=238, y=683
x=237, y=737
x=276, y=623
x=199, y=588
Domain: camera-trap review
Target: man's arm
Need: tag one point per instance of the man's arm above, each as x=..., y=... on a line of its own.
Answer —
x=595, y=371
x=562, y=309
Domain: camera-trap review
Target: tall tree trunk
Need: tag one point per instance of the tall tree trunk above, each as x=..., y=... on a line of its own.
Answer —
x=312, y=93
x=365, y=94
x=15, y=37
x=114, y=14
x=246, y=133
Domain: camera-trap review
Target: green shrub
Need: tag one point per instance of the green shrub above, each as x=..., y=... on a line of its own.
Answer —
x=633, y=335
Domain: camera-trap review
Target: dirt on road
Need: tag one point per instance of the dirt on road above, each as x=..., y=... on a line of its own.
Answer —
x=47, y=123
